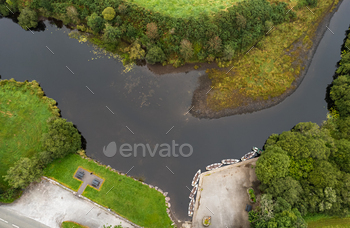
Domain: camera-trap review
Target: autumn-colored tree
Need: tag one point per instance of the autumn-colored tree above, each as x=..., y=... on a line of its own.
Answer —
x=152, y=30
x=186, y=49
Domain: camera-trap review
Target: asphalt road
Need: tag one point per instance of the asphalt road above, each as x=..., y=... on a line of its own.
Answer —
x=9, y=218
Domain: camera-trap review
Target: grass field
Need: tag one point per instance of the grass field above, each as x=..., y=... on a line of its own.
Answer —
x=185, y=8
x=129, y=198
x=271, y=66
x=69, y=224
x=23, y=115
x=324, y=221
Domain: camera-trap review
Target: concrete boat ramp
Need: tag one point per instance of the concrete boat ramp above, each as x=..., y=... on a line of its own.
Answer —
x=222, y=194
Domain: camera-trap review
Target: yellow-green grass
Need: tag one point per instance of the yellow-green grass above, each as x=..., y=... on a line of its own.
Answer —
x=186, y=8
x=127, y=197
x=69, y=224
x=325, y=221
x=269, y=68
x=23, y=115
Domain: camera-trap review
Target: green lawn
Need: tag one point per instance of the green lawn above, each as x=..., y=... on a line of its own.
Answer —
x=129, y=198
x=23, y=115
x=185, y=8
x=325, y=221
x=69, y=224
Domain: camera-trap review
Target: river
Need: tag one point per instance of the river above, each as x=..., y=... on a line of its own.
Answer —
x=151, y=105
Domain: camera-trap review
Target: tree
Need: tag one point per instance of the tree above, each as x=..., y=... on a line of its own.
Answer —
x=154, y=55
x=324, y=175
x=95, y=22
x=111, y=34
x=186, y=49
x=152, y=30
x=108, y=13
x=73, y=14
x=340, y=94
x=214, y=44
x=23, y=173
x=229, y=52
x=136, y=52
x=62, y=139
x=274, y=163
x=28, y=19
x=241, y=22
x=341, y=155
x=43, y=158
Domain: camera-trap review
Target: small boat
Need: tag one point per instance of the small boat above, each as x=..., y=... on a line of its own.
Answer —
x=249, y=155
x=229, y=161
x=191, y=207
x=213, y=166
x=193, y=192
x=257, y=150
x=196, y=178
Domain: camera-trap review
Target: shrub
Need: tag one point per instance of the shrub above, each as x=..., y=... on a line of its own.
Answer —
x=111, y=34
x=28, y=19
x=152, y=30
x=108, y=13
x=229, y=52
x=154, y=55
x=95, y=22
x=214, y=45
x=136, y=52
x=186, y=49
x=122, y=9
x=73, y=14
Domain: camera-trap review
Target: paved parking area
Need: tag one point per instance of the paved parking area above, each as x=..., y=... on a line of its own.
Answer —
x=222, y=194
x=51, y=205
x=87, y=180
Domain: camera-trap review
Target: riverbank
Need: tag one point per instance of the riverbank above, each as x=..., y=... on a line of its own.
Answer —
x=238, y=101
x=222, y=194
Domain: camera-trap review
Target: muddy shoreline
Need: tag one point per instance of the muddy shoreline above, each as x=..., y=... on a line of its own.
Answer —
x=199, y=103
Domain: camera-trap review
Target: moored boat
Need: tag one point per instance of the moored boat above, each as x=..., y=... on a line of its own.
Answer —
x=191, y=207
x=229, y=161
x=257, y=150
x=196, y=177
x=193, y=192
x=249, y=155
x=213, y=166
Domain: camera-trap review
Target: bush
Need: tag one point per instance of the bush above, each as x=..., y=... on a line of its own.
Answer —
x=111, y=34
x=152, y=30
x=186, y=49
x=154, y=55
x=73, y=14
x=136, y=52
x=108, y=13
x=4, y=11
x=28, y=19
x=95, y=22
x=214, y=45
x=229, y=52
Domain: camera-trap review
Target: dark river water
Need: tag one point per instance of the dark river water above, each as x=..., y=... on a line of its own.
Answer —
x=150, y=105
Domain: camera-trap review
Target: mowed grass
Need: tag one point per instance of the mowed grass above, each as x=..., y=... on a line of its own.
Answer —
x=127, y=197
x=69, y=224
x=324, y=221
x=186, y=8
x=23, y=116
x=271, y=66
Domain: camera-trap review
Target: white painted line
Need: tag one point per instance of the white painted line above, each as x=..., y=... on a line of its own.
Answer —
x=129, y=129
x=170, y=129
x=170, y=170
x=4, y=220
x=110, y=110
x=90, y=90
x=330, y=30
x=70, y=70
x=50, y=50
x=15, y=226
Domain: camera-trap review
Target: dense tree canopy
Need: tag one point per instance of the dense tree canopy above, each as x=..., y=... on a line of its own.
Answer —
x=28, y=19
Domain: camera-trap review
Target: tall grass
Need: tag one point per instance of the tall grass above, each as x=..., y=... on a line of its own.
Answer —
x=186, y=8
